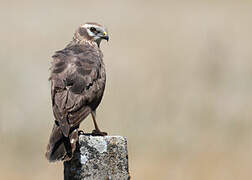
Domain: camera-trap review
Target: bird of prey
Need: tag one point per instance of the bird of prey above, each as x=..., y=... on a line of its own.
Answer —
x=77, y=85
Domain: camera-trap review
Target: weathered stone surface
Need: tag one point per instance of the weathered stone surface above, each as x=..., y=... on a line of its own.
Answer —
x=98, y=158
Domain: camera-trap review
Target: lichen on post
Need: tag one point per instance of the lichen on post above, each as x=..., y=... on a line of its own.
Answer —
x=98, y=157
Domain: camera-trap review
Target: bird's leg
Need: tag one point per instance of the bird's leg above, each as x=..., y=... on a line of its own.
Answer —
x=96, y=131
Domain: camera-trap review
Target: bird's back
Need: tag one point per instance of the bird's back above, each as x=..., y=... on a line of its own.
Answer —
x=77, y=85
x=78, y=70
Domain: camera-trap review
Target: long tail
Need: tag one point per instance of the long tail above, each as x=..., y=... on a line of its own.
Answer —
x=60, y=148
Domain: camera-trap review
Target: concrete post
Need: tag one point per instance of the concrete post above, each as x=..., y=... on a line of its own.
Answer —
x=98, y=158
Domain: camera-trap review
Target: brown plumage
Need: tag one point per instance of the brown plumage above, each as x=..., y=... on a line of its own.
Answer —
x=77, y=85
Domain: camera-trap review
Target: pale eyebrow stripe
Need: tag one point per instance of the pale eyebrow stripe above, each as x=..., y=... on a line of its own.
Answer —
x=90, y=25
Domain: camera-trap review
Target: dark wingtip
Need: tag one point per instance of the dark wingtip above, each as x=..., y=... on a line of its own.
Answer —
x=56, y=149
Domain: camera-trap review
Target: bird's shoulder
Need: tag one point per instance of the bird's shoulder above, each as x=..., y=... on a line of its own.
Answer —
x=76, y=67
x=76, y=58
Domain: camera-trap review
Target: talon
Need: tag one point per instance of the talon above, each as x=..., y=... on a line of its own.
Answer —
x=80, y=132
x=99, y=133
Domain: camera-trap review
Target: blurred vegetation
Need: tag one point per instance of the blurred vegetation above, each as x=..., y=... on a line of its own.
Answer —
x=179, y=83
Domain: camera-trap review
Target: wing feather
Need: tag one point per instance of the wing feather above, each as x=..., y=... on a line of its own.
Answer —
x=75, y=84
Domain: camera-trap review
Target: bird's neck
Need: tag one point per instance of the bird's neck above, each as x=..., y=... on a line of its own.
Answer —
x=86, y=42
x=83, y=42
x=77, y=39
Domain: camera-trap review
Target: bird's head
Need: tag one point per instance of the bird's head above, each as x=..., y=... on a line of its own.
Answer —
x=91, y=32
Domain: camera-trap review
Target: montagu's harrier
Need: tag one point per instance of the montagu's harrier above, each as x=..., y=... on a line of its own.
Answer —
x=77, y=85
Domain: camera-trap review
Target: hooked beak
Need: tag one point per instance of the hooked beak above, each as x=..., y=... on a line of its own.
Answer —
x=105, y=36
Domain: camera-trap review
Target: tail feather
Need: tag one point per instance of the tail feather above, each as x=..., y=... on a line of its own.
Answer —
x=59, y=147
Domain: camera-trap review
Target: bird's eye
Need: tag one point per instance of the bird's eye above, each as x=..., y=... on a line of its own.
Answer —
x=92, y=29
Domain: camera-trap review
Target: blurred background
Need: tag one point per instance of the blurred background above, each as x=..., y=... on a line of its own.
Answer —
x=179, y=83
